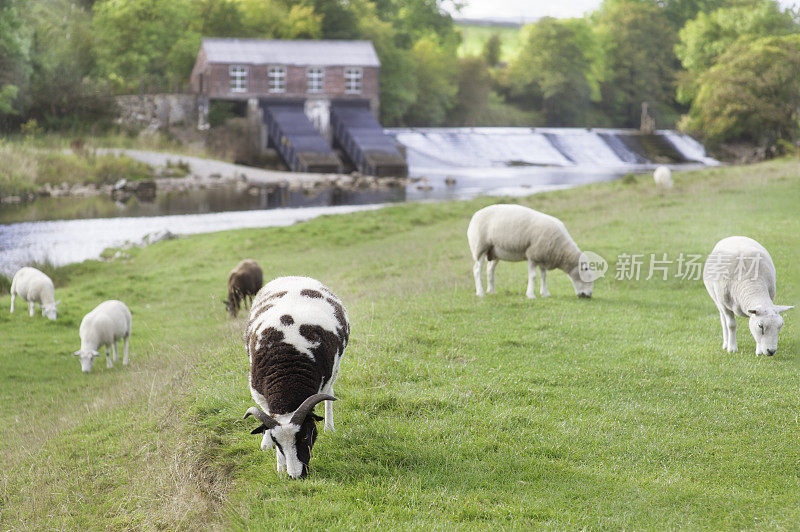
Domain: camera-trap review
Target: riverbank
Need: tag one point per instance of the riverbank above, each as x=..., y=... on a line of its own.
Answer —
x=120, y=173
x=617, y=412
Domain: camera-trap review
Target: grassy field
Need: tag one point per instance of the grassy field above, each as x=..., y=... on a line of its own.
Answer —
x=474, y=38
x=617, y=412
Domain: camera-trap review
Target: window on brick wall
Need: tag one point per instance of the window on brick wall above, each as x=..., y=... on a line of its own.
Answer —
x=238, y=76
x=316, y=79
x=352, y=80
x=277, y=79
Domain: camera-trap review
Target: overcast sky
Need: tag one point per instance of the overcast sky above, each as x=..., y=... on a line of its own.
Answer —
x=527, y=9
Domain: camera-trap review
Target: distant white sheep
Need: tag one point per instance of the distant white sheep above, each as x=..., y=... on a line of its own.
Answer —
x=740, y=277
x=663, y=177
x=104, y=326
x=517, y=233
x=35, y=287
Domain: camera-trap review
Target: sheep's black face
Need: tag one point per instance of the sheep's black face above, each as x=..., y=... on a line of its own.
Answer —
x=304, y=440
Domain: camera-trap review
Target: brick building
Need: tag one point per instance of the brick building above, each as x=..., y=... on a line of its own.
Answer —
x=243, y=69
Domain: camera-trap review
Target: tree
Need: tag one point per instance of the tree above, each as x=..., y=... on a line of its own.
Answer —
x=474, y=89
x=708, y=36
x=434, y=70
x=143, y=41
x=552, y=71
x=637, y=61
x=491, y=50
x=751, y=93
x=15, y=65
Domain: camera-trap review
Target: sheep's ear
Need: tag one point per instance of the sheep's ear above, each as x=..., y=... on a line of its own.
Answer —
x=783, y=308
x=56, y=303
x=76, y=354
x=95, y=354
x=316, y=417
x=755, y=311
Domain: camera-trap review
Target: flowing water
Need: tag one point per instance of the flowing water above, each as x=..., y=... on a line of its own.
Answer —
x=444, y=163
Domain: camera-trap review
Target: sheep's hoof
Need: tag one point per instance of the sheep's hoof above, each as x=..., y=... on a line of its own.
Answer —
x=530, y=296
x=546, y=294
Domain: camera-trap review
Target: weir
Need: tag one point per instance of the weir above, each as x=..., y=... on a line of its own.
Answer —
x=556, y=147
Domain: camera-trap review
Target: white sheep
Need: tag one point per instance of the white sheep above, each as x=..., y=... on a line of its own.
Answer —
x=663, y=177
x=740, y=277
x=517, y=233
x=34, y=287
x=104, y=326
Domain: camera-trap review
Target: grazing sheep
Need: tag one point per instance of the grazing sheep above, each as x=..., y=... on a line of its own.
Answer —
x=517, y=233
x=244, y=280
x=35, y=287
x=104, y=326
x=740, y=277
x=663, y=177
x=296, y=337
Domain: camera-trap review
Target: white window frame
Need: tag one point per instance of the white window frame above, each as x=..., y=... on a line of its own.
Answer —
x=276, y=79
x=237, y=74
x=315, y=80
x=353, y=80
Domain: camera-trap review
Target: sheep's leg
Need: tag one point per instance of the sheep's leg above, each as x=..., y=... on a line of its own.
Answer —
x=724, y=323
x=329, y=414
x=490, y=267
x=116, y=352
x=731, y=326
x=13, y=297
x=476, y=272
x=126, y=345
x=108, y=358
x=543, y=291
x=531, y=280
x=31, y=305
x=281, y=466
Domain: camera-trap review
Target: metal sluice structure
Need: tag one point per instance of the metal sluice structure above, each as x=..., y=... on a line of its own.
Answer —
x=296, y=139
x=363, y=140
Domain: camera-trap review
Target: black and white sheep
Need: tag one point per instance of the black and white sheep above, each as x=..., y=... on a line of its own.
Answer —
x=104, y=326
x=516, y=233
x=34, y=287
x=244, y=281
x=740, y=278
x=295, y=339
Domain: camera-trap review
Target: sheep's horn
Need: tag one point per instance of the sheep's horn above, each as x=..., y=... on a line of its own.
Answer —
x=260, y=415
x=308, y=405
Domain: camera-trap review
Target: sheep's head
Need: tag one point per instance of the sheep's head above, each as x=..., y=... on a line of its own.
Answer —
x=51, y=311
x=765, y=324
x=87, y=358
x=294, y=437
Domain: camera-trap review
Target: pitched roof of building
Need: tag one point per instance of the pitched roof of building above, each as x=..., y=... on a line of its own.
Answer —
x=291, y=52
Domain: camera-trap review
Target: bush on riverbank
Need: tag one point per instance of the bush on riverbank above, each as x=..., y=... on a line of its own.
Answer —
x=23, y=169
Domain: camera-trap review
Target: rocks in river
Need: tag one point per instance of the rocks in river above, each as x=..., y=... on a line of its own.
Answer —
x=144, y=190
x=450, y=181
x=158, y=236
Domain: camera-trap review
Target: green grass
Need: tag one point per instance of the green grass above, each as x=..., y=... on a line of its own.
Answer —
x=617, y=412
x=24, y=167
x=474, y=38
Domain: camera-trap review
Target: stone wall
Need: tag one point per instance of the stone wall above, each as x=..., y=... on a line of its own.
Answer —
x=157, y=111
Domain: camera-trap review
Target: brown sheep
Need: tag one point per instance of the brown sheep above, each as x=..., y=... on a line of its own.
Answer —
x=244, y=280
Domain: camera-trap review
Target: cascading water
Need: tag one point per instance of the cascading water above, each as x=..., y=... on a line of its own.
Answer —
x=429, y=149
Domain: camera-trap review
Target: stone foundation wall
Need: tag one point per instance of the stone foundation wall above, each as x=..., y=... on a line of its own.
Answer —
x=157, y=111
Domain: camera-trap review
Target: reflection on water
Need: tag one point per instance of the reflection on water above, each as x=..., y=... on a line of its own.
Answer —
x=195, y=201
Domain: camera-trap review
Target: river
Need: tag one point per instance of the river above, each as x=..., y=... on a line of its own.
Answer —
x=447, y=163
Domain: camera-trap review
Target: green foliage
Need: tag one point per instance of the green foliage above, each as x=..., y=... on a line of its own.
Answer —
x=491, y=50
x=475, y=38
x=710, y=35
x=143, y=41
x=752, y=93
x=474, y=85
x=434, y=70
x=551, y=72
x=15, y=46
x=637, y=60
